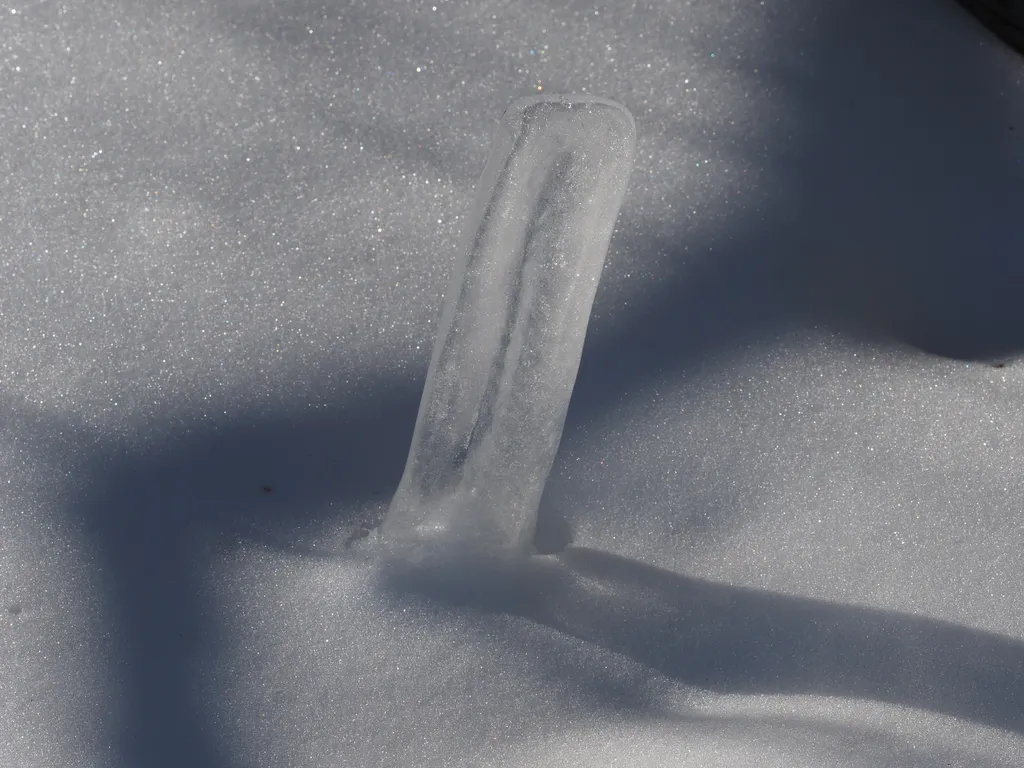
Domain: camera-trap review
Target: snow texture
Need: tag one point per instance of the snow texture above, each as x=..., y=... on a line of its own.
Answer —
x=787, y=498
x=513, y=326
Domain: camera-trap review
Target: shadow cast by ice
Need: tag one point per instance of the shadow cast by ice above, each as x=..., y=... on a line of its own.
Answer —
x=732, y=640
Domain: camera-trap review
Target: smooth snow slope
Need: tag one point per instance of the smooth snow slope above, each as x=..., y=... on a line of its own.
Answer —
x=791, y=471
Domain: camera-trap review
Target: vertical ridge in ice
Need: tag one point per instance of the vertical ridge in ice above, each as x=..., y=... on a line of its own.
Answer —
x=513, y=325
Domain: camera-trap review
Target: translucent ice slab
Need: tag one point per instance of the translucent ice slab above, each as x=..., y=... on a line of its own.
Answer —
x=512, y=329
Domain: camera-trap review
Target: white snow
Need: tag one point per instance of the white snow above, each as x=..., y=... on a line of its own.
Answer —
x=792, y=473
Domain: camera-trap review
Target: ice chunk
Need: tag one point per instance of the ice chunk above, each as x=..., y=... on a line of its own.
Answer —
x=512, y=329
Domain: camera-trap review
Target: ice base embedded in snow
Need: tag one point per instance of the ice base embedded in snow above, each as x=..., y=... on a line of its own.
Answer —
x=513, y=325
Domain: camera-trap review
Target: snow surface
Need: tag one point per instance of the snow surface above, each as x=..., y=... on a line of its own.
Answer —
x=793, y=469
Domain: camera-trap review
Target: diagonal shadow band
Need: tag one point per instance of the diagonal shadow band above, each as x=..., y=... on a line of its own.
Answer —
x=156, y=513
x=742, y=641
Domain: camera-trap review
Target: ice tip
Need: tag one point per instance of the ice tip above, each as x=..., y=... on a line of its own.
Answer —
x=581, y=102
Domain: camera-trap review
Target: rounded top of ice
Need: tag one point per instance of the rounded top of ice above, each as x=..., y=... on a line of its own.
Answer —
x=592, y=113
